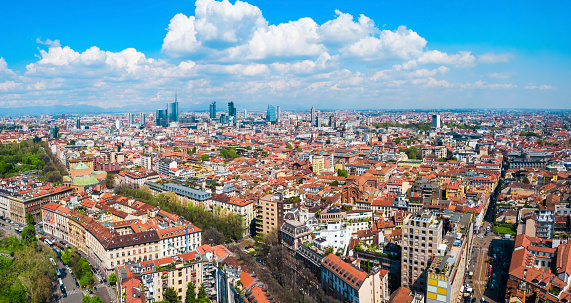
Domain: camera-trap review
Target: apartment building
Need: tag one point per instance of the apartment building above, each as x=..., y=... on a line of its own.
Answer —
x=447, y=270
x=22, y=195
x=422, y=236
x=351, y=284
x=136, y=177
x=270, y=213
x=242, y=207
x=294, y=233
x=174, y=240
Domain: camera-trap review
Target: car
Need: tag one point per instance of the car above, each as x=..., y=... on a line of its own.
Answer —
x=76, y=284
x=68, y=269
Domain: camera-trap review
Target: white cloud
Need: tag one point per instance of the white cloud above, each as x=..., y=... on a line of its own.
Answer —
x=540, y=87
x=305, y=67
x=225, y=22
x=48, y=42
x=462, y=59
x=181, y=36
x=494, y=58
x=400, y=44
x=500, y=75
x=343, y=30
x=293, y=39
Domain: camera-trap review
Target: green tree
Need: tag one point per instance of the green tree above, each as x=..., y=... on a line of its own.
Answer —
x=112, y=278
x=171, y=296
x=29, y=235
x=440, y=160
x=190, y=293
x=334, y=183
x=66, y=256
x=411, y=153
x=109, y=180
x=454, y=159
x=30, y=219
x=86, y=299
x=96, y=299
x=201, y=292
x=289, y=146
x=540, y=142
x=342, y=173
x=204, y=157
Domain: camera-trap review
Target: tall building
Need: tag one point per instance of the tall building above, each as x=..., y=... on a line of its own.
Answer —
x=161, y=118
x=213, y=110
x=54, y=132
x=131, y=121
x=78, y=123
x=231, y=109
x=245, y=113
x=436, y=122
x=143, y=121
x=421, y=238
x=279, y=115
x=313, y=118
x=172, y=110
x=117, y=124
x=270, y=213
x=271, y=114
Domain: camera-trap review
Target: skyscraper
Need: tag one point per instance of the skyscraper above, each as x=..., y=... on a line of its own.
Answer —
x=313, y=116
x=271, y=114
x=117, y=124
x=172, y=110
x=131, y=122
x=213, y=110
x=161, y=118
x=78, y=123
x=278, y=115
x=54, y=132
x=245, y=113
x=436, y=122
x=231, y=109
x=143, y=120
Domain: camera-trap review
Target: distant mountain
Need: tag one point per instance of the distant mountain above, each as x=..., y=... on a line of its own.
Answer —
x=82, y=110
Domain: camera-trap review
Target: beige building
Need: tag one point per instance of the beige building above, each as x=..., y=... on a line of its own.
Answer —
x=242, y=207
x=270, y=213
x=421, y=239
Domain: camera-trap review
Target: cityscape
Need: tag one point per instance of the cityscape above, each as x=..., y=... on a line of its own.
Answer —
x=294, y=155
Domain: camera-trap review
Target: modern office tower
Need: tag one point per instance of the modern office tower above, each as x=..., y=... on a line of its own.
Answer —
x=313, y=116
x=331, y=121
x=231, y=109
x=278, y=114
x=271, y=114
x=131, y=122
x=54, y=132
x=117, y=124
x=161, y=119
x=436, y=122
x=172, y=110
x=78, y=123
x=143, y=120
x=63, y=116
x=421, y=238
x=213, y=110
x=245, y=113
x=223, y=119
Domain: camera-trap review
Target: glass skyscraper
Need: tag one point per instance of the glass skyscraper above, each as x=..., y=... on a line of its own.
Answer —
x=271, y=114
x=213, y=110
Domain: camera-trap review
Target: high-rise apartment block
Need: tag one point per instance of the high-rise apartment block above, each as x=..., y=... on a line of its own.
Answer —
x=436, y=122
x=421, y=238
x=270, y=213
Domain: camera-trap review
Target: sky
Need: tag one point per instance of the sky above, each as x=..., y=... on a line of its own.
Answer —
x=296, y=54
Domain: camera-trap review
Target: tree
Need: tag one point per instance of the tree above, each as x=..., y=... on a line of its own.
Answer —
x=201, y=292
x=112, y=278
x=212, y=236
x=334, y=183
x=29, y=235
x=30, y=219
x=109, y=180
x=289, y=146
x=454, y=159
x=204, y=157
x=411, y=153
x=342, y=173
x=440, y=160
x=171, y=296
x=54, y=176
x=66, y=256
x=540, y=142
x=190, y=293
x=97, y=299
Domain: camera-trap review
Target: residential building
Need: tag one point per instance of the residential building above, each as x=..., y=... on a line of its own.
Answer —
x=270, y=213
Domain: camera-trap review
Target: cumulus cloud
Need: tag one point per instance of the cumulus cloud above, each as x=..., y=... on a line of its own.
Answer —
x=306, y=66
x=400, y=44
x=181, y=36
x=540, y=87
x=343, y=30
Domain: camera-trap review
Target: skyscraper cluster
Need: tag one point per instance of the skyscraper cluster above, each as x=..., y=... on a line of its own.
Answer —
x=169, y=115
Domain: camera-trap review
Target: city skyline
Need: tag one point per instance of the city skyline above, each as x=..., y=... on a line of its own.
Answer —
x=337, y=55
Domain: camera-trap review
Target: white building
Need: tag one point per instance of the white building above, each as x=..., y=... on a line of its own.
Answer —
x=335, y=236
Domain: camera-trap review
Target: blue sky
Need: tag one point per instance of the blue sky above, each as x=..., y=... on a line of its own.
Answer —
x=330, y=54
